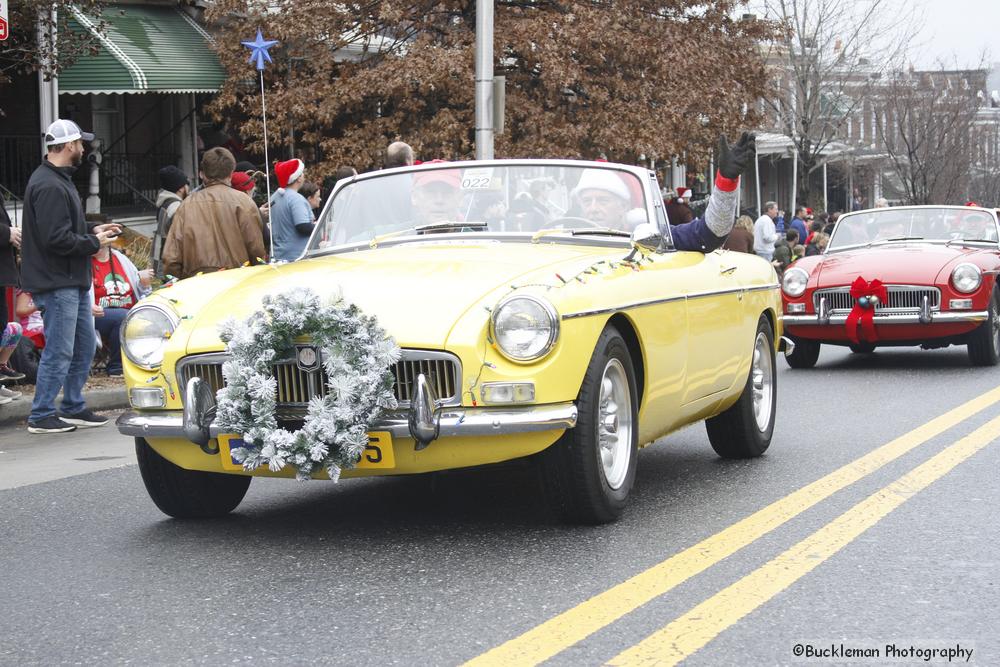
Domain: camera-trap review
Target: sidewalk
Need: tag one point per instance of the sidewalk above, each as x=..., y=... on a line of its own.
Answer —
x=100, y=393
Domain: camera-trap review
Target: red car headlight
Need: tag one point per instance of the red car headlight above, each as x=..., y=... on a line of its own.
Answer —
x=966, y=278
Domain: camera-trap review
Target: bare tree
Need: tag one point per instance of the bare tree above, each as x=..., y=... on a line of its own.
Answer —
x=831, y=55
x=984, y=186
x=926, y=129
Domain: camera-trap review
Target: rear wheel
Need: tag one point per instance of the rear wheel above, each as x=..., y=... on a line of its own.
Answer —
x=984, y=342
x=862, y=348
x=804, y=355
x=590, y=471
x=744, y=430
x=188, y=494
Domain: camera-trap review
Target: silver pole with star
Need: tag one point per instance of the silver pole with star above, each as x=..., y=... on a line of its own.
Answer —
x=259, y=55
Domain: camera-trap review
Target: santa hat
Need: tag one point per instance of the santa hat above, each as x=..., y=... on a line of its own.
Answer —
x=289, y=172
x=602, y=179
x=683, y=193
x=242, y=181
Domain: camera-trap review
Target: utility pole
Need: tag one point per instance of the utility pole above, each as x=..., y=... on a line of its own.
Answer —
x=484, y=79
x=48, y=91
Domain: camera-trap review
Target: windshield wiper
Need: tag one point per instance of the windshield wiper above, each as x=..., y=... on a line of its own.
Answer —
x=600, y=231
x=896, y=238
x=432, y=227
x=451, y=224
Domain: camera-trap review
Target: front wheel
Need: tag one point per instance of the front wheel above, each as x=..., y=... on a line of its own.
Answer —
x=984, y=342
x=590, y=471
x=805, y=354
x=744, y=430
x=188, y=494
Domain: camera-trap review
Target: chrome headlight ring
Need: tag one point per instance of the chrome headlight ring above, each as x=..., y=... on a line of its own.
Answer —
x=145, y=332
x=524, y=328
x=966, y=278
x=794, y=282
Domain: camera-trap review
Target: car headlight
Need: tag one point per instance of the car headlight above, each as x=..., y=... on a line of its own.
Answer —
x=966, y=278
x=525, y=327
x=145, y=332
x=794, y=282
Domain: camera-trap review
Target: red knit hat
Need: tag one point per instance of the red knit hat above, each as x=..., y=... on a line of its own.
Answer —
x=242, y=180
x=289, y=171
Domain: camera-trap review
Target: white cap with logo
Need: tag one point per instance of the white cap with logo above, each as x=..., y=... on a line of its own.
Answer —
x=65, y=131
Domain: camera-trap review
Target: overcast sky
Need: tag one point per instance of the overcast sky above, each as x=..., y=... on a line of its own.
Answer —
x=958, y=29
x=954, y=31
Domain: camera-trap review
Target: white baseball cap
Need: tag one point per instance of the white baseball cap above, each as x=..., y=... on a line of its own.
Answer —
x=65, y=131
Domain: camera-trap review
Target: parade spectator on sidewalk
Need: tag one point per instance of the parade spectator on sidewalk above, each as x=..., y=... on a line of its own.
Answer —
x=10, y=240
x=56, y=247
x=741, y=238
x=798, y=222
x=784, y=253
x=399, y=154
x=216, y=227
x=764, y=232
x=314, y=196
x=118, y=285
x=174, y=187
x=292, y=220
x=678, y=211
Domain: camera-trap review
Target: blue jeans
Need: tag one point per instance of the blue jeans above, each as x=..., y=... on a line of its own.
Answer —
x=69, y=350
x=110, y=326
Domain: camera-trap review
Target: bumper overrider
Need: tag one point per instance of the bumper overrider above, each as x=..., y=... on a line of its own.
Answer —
x=424, y=421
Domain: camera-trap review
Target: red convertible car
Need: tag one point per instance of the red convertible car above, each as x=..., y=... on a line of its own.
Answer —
x=912, y=275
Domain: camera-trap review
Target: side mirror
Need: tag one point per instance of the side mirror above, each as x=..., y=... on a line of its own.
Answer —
x=647, y=236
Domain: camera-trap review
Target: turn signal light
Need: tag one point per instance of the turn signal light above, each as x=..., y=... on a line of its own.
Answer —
x=508, y=392
x=795, y=307
x=960, y=304
x=147, y=397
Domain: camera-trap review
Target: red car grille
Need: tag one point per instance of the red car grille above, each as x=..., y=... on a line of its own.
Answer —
x=902, y=298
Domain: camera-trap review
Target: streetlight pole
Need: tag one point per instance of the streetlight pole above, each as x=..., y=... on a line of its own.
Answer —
x=484, y=79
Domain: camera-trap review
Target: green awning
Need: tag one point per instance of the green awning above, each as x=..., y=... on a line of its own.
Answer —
x=144, y=49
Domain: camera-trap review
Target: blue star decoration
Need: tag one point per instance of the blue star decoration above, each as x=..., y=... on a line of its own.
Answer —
x=258, y=49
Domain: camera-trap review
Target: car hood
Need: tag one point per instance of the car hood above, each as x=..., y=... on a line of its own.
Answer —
x=417, y=291
x=899, y=264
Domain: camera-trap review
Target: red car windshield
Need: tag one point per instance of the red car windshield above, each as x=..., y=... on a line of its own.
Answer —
x=890, y=225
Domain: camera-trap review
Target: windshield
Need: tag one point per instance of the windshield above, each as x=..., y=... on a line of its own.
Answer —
x=480, y=198
x=885, y=225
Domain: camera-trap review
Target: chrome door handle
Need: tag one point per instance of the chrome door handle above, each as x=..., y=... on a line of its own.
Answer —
x=727, y=271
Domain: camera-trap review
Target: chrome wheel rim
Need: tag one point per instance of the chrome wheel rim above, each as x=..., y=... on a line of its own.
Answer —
x=762, y=382
x=614, y=425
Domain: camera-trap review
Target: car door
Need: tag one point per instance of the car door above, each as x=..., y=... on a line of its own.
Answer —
x=715, y=318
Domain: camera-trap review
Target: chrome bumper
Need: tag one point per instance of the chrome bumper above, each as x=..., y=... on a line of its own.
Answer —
x=949, y=317
x=423, y=421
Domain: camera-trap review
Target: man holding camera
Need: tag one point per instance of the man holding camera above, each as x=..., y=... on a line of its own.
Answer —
x=56, y=246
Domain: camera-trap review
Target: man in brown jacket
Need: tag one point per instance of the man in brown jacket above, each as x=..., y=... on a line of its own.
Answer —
x=216, y=227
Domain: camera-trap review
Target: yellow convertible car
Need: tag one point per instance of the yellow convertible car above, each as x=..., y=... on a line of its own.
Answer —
x=541, y=309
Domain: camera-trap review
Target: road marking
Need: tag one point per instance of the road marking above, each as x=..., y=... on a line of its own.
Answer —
x=703, y=623
x=562, y=631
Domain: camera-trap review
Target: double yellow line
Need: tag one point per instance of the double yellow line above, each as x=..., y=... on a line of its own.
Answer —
x=701, y=624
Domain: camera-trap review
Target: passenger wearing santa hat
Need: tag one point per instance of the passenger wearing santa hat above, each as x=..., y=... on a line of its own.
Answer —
x=292, y=219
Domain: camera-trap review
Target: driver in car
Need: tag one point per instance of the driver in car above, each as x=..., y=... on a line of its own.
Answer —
x=436, y=196
x=604, y=199
x=976, y=227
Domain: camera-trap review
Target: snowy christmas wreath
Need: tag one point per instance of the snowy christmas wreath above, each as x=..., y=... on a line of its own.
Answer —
x=358, y=357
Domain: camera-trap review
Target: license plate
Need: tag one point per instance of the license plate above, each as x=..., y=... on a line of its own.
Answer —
x=378, y=453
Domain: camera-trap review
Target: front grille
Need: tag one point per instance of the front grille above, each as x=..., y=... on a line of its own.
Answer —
x=297, y=387
x=902, y=298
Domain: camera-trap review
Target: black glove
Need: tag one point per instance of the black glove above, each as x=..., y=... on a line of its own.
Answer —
x=732, y=161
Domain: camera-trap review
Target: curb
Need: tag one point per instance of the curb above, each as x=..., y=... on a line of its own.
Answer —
x=114, y=398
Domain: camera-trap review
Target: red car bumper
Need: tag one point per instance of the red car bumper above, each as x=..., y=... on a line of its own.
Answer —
x=899, y=328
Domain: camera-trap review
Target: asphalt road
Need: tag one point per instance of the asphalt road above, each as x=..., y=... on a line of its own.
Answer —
x=869, y=522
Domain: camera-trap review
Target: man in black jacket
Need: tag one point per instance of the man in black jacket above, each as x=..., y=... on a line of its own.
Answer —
x=56, y=246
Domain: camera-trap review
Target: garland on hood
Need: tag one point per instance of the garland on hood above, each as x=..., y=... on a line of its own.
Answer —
x=357, y=355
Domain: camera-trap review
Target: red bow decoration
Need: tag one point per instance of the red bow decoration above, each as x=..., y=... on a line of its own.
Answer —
x=866, y=296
